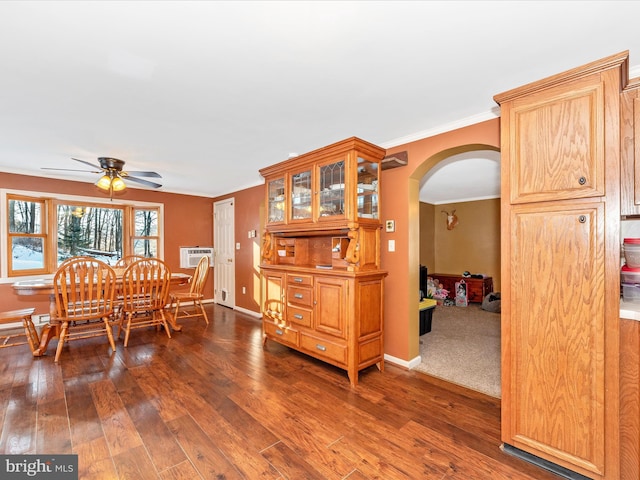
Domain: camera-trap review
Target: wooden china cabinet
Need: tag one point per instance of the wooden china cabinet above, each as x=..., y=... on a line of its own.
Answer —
x=560, y=242
x=322, y=287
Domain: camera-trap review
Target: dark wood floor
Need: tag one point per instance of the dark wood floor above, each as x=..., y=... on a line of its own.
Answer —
x=213, y=403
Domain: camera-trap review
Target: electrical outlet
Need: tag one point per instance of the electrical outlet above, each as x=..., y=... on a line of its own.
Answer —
x=244, y=290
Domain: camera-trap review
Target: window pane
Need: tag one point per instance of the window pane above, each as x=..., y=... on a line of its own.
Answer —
x=145, y=247
x=93, y=231
x=27, y=253
x=25, y=217
x=146, y=223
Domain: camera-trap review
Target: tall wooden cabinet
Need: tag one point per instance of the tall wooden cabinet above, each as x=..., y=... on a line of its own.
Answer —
x=322, y=287
x=630, y=148
x=560, y=212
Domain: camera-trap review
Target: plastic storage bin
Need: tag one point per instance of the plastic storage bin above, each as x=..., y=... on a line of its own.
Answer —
x=631, y=292
x=629, y=275
x=427, y=306
x=632, y=252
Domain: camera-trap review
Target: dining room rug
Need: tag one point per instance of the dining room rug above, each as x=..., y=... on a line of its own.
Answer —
x=463, y=347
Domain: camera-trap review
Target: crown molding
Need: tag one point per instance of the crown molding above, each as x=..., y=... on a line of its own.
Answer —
x=447, y=127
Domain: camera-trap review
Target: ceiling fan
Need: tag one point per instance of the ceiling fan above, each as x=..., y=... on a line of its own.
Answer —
x=113, y=176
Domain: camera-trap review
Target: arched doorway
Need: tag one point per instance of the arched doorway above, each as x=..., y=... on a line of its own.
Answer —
x=464, y=345
x=400, y=192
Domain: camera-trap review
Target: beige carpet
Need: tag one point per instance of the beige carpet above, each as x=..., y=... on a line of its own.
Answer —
x=463, y=347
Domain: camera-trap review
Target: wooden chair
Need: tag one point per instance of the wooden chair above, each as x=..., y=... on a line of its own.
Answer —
x=145, y=287
x=77, y=257
x=194, y=296
x=30, y=332
x=122, y=263
x=127, y=260
x=84, y=291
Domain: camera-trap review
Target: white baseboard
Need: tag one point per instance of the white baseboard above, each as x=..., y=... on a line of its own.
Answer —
x=249, y=312
x=403, y=363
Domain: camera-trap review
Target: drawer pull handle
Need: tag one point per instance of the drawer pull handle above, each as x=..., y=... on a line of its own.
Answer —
x=322, y=348
x=298, y=295
x=298, y=316
x=297, y=279
x=279, y=332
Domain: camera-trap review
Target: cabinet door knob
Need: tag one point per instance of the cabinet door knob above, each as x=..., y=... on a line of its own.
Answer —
x=582, y=180
x=582, y=219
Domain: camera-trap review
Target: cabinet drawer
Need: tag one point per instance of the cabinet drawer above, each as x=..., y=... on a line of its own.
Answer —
x=282, y=333
x=320, y=347
x=299, y=295
x=296, y=279
x=299, y=316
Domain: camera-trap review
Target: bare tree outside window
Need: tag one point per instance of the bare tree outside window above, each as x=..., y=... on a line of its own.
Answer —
x=145, y=238
x=26, y=235
x=43, y=232
x=93, y=231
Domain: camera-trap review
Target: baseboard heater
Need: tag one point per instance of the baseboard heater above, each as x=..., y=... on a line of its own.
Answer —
x=542, y=463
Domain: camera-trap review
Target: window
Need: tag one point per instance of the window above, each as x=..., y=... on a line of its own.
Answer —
x=42, y=232
x=145, y=237
x=27, y=237
x=89, y=230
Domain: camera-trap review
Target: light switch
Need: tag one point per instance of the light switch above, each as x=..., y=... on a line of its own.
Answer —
x=238, y=246
x=392, y=245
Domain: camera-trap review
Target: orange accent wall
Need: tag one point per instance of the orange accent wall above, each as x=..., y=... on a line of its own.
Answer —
x=188, y=221
x=400, y=202
x=248, y=207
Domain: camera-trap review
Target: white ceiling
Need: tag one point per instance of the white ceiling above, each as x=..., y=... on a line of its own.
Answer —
x=208, y=92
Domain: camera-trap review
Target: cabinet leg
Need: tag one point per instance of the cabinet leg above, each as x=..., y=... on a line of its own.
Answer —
x=353, y=377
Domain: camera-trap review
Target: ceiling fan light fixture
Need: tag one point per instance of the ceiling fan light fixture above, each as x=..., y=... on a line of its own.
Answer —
x=117, y=184
x=104, y=183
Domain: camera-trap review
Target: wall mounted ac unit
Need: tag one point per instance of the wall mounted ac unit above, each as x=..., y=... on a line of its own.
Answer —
x=190, y=256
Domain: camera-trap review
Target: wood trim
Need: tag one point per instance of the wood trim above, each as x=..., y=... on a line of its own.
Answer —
x=618, y=60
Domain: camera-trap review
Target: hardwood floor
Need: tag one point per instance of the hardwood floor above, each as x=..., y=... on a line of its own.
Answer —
x=213, y=403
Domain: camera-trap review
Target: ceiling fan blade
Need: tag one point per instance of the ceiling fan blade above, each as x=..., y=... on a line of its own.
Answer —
x=143, y=182
x=87, y=163
x=70, y=170
x=142, y=174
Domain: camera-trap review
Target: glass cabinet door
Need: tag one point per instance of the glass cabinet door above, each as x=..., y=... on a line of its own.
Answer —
x=301, y=195
x=367, y=188
x=276, y=200
x=332, y=188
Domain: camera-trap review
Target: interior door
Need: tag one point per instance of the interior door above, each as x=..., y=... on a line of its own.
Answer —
x=224, y=263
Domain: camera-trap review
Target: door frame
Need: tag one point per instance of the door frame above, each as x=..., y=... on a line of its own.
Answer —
x=217, y=241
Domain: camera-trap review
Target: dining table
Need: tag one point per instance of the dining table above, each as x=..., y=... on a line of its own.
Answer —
x=44, y=286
